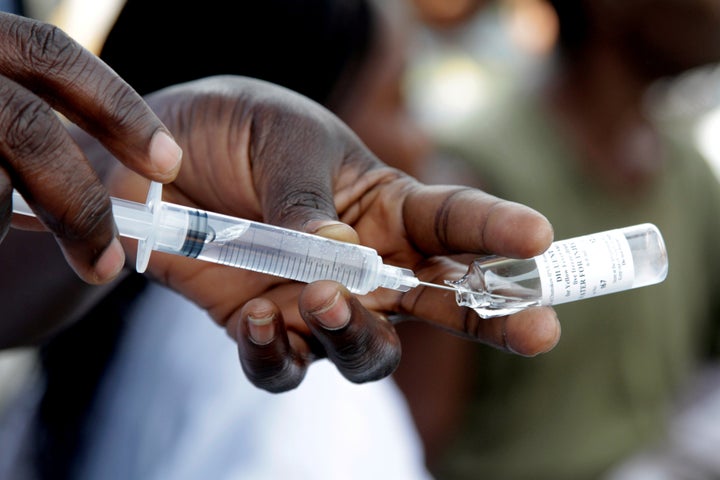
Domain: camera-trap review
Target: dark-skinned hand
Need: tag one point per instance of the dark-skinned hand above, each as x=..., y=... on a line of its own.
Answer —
x=260, y=152
x=43, y=71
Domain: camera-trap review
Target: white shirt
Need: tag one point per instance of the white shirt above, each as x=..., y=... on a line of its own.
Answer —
x=176, y=405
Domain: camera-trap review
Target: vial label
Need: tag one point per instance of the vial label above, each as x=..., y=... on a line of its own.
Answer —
x=585, y=267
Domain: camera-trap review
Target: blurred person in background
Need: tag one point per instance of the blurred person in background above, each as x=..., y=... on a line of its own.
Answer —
x=579, y=143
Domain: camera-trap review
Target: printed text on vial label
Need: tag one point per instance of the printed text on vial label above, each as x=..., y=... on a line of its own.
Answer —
x=585, y=267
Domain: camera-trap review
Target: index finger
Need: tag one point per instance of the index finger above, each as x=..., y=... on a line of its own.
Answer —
x=72, y=80
x=529, y=332
x=444, y=220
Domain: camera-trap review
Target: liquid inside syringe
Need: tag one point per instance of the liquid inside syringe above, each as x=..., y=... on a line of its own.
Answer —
x=286, y=253
x=250, y=245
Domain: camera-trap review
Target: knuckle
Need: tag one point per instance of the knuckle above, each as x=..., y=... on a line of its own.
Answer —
x=24, y=119
x=491, y=332
x=302, y=126
x=444, y=215
x=122, y=103
x=274, y=377
x=367, y=361
x=87, y=211
x=48, y=56
x=305, y=195
x=290, y=195
x=471, y=324
x=51, y=51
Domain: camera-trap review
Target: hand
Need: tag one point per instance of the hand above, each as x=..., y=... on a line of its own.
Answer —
x=260, y=152
x=42, y=69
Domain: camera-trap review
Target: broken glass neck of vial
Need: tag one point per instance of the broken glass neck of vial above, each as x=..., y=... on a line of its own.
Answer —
x=496, y=286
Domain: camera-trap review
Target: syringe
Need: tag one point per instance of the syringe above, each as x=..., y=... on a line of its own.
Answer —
x=190, y=232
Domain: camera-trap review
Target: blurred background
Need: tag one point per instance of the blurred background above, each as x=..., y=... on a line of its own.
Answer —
x=468, y=54
x=464, y=54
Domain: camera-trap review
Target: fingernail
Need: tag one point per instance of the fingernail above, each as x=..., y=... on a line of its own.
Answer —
x=165, y=154
x=110, y=262
x=336, y=231
x=334, y=315
x=261, y=329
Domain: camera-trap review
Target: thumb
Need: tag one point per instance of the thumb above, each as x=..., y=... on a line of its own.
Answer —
x=334, y=230
x=296, y=174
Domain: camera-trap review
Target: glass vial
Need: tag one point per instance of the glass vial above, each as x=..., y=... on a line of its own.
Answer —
x=569, y=270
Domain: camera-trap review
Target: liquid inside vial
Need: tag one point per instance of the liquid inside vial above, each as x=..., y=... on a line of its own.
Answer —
x=570, y=270
x=496, y=286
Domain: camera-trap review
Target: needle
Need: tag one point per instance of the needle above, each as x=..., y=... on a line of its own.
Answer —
x=435, y=285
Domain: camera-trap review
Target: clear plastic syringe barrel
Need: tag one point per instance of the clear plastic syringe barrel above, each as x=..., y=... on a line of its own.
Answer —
x=569, y=270
x=276, y=251
x=170, y=228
